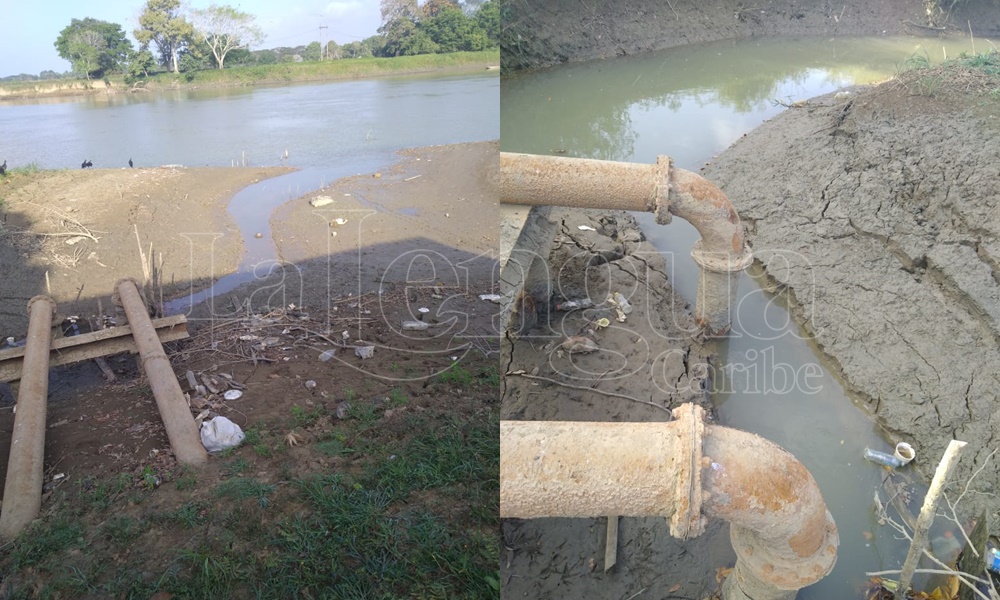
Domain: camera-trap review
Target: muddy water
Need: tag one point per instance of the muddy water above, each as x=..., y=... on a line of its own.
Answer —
x=691, y=103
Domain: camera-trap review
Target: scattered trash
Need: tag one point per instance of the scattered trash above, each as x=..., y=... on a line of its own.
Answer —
x=221, y=434
x=321, y=201
x=212, y=384
x=326, y=355
x=883, y=458
x=579, y=344
x=842, y=95
x=233, y=395
x=310, y=384
x=345, y=335
x=602, y=323
x=58, y=476
x=364, y=352
x=258, y=235
x=585, y=228
x=338, y=221
x=491, y=297
x=905, y=453
x=621, y=305
x=422, y=310
x=575, y=304
x=342, y=409
x=415, y=325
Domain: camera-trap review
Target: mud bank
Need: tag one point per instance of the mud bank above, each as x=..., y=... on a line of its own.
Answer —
x=644, y=366
x=878, y=211
x=538, y=34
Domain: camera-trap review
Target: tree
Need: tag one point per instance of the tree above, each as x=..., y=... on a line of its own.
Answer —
x=396, y=10
x=93, y=47
x=225, y=28
x=334, y=50
x=488, y=18
x=453, y=31
x=138, y=66
x=313, y=51
x=162, y=24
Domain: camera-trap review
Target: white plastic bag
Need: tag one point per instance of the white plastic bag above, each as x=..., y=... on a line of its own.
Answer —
x=221, y=434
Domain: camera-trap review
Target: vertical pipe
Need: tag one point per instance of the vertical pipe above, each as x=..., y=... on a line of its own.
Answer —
x=177, y=420
x=22, y=492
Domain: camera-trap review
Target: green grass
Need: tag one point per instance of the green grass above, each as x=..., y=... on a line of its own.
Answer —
x=39, y=541
x=243, y=488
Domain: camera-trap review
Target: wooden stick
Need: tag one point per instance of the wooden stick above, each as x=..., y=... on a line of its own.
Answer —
x=927, y=512
x=611, y=548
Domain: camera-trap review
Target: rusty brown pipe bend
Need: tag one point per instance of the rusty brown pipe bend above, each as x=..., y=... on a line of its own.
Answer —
x=181, y=429
x=721, y=253
x=22, y=492
x=783, y=535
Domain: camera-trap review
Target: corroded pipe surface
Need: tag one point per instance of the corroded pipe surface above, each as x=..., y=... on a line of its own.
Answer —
x=545, y=471
x=181, y=430
x=721, y=253
x=784, y=537
x=22, y=492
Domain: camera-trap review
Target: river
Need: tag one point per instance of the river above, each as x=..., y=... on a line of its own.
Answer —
x=329, y=131
x=691, y=103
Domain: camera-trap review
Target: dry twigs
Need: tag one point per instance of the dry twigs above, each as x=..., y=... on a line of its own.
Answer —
x=520, y=373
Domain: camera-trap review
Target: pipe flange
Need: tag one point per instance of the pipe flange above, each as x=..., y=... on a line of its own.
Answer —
x=719, y=262
x=687, y=521
x=40, y=298
x=784, y=572
x=664, y=167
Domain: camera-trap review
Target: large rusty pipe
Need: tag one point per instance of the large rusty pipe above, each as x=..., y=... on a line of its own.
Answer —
x=181, y=429
x=721, y=253
x=22, y=492
x=784, y=537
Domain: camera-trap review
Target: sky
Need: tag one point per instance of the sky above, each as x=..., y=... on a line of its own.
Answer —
x=29, y=28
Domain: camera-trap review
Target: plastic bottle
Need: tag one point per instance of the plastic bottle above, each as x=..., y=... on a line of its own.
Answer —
x=882, y=458
x=575, y=304
x=993, y=560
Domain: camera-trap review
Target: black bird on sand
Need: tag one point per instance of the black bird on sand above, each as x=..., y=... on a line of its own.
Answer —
x=86, y=163
x=3, y=168
x=130, y=162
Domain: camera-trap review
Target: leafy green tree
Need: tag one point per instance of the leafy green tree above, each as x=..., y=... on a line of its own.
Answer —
x=452, y=31
x=313, y=52
x=161, y=23
x=93, y=47
x=488, y=18
x=138, y=66
x=225, y=28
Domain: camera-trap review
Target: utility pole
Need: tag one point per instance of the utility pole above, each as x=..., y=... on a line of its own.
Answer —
x=322, y=41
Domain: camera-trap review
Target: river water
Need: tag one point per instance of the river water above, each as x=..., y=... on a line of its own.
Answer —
x=329, y=130
x=691, y=103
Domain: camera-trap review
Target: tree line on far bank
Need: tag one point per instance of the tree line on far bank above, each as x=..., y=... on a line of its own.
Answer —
x=178, y=39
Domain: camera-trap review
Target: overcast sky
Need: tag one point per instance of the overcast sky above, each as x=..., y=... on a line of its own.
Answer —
x=29, y=28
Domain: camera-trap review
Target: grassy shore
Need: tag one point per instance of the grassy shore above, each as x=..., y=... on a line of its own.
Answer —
x=331, y=70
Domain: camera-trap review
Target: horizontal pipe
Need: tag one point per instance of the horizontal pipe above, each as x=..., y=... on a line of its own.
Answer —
x=545, y=471
x=22, y=492
x=722, y=252
x=784, y=537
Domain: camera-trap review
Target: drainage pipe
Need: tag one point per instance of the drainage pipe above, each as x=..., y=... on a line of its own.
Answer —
x=721, y=253
x=784, y=537
x=181, y=429
x=22, y=492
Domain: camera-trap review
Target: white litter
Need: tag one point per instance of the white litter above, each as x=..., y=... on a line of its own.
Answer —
x=232, y=395
x=321, y=201
x=364, y=352
x=221, y=434
x=491, y=297
x=585, y=228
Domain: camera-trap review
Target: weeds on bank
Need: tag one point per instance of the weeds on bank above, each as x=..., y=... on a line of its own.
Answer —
x=413, y=514
x=977, y=74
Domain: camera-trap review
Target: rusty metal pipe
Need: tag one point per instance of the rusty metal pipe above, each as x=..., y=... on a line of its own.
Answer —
x=721, y=253
x=784, y=537
x=22, y=492
x=181, y=429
